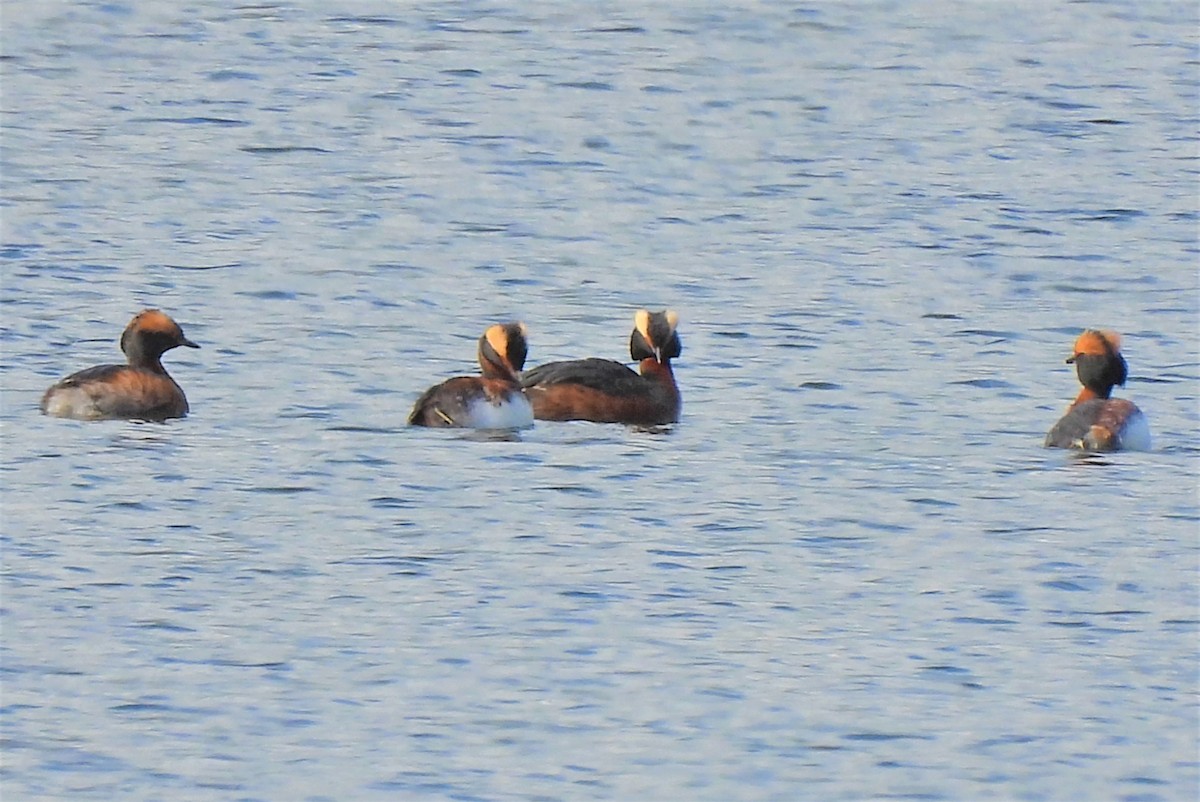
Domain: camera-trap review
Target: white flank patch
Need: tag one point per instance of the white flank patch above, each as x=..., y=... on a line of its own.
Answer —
x=1135, y=434
x=514, y=412
x=71, y=402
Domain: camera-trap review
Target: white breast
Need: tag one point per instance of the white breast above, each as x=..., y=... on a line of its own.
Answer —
x=1135, y=434
x=514, y=412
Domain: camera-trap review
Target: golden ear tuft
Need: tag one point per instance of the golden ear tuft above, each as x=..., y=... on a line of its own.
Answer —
x=1097, y=343
x=672, y=319
x=641, y=322
x=498, y=339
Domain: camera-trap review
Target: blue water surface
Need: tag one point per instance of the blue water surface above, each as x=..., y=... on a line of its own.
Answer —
x=849, y=572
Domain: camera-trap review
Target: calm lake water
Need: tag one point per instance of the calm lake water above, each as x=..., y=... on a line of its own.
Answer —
x=850, y=572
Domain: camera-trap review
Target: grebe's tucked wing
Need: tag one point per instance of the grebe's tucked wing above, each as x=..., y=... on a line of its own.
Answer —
x=597, y=374
x=1101, y=424
x=98, y=373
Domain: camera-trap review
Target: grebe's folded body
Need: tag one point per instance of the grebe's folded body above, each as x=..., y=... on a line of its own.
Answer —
x=140, y=390
x=1094, y=421
x=491, y=401
x=605, y=391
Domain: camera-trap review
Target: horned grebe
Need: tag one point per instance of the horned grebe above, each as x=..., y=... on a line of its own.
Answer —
x=606, y=391
x=491, y=401
x=1094, y=421
x=141, y=389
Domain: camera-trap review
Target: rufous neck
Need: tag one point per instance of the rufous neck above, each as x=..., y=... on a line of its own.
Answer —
x=652, y=367
x=659, y=372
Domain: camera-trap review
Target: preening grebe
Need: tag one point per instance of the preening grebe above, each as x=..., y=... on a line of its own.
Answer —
x=491, y=401
x=605, y=391
x=1094, y=421
x=141, y=389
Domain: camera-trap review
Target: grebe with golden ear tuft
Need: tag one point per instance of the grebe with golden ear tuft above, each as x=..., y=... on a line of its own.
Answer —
x=1095, y=421
x=492, y=400
x=141, y=389
x=606, y=391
